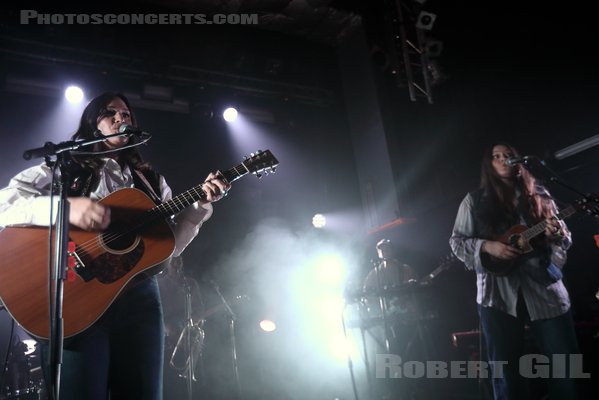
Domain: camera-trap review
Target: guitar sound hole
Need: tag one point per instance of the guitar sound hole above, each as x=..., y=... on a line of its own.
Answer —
x=119, y=242
x=515, y=241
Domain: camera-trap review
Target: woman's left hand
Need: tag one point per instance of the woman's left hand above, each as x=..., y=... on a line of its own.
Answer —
x=553, y=229
x=215, y=187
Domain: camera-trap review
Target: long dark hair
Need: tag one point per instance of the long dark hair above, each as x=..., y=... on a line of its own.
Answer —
x=88, y=127
x=501, y=202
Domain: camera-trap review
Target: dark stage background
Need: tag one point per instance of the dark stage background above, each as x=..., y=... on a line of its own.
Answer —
x=318, y=91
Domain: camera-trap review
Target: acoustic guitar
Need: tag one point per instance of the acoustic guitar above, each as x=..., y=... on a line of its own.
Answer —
x=137, y=241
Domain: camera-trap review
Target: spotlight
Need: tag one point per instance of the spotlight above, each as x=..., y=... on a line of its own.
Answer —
x=433, y=48
x=73, y=94
x=379, y=57
x=330, y=269
x=230, y=114
x=425, y=20
x=319, y=221
x=268, y=325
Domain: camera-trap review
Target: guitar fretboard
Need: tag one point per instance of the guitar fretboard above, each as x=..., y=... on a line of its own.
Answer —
x=540, y=227
x=196, y=193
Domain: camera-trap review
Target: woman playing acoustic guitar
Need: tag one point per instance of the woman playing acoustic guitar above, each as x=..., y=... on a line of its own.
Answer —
x=121, y=355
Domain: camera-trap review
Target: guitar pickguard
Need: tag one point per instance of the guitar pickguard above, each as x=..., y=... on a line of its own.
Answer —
x=109, y=267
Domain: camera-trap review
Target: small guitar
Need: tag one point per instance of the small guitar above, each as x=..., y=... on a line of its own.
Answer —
x=138, y=240
x=519, y=236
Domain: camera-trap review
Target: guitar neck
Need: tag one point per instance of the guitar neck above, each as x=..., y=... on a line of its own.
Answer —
x=445, y=264
x=262, y=162
x=539, y=228
x=196, y=193
x=436, y=271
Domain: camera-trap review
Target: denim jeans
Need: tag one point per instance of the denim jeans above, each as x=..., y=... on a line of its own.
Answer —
x=504, y=336
x=121, y=355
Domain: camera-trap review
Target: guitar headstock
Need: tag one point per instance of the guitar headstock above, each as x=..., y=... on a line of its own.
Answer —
x=447, y=261
x=261, y=163
x=589, y=204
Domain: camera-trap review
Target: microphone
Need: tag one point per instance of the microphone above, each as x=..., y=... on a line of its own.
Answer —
x=512, y=162
x=132, y=131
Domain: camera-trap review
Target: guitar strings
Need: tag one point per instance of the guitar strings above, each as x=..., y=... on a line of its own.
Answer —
x=540, y=227
x=176, y=204
x=158, y=211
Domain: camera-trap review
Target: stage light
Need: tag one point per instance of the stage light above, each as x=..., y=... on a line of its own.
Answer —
x=425, y=20
x=341, y=347
x=230, y=114
x=319, y=221
x=433, y=48
x=268, y=325
x=317, y=295
x=73, y=94
x=330, y=268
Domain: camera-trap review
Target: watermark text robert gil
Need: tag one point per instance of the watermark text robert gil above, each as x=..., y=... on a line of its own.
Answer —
x=529, y=366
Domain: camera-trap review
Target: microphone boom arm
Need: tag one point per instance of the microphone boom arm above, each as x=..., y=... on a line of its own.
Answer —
x=51, y=149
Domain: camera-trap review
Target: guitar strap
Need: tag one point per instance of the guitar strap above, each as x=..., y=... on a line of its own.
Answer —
x=81, y=181
x=149, y=182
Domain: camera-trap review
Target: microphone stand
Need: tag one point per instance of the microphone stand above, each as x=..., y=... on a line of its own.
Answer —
x=232, y=319
x=553, y=178
x=350, y=363
x=58, y=276
x=384, y=252
x=188, y=344
x=61, y=239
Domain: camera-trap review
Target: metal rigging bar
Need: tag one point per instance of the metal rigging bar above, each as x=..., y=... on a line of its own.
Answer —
x=408, y=41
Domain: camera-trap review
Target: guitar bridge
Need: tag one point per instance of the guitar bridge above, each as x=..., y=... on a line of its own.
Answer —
x=80, y=262
x=80, y=268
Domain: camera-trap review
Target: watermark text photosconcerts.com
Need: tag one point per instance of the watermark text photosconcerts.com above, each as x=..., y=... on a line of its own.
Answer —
x=36, y=18
x=529, y=366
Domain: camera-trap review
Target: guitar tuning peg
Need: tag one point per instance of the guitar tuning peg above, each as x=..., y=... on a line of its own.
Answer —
x=273, y=170
x=258, y=175
x=252, y=154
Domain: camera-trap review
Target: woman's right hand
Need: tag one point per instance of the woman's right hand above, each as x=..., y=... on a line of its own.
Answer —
x=88, y=215
x=500, y=250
